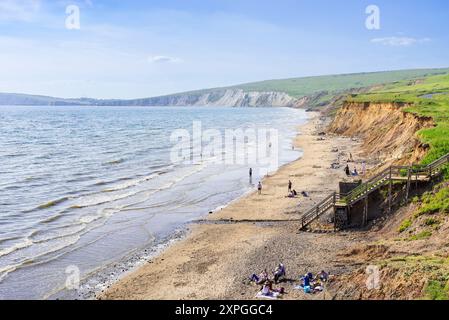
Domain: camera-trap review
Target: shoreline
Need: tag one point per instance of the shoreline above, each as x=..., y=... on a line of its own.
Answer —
x=180, y=270
x=103, y=277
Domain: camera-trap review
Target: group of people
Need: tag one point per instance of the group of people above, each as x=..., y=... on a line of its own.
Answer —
x=264, y=279
x=291, y=193
x=313, y=284
x=355, y=172
x=278, y=273
x=309, y=283
x=259, y=185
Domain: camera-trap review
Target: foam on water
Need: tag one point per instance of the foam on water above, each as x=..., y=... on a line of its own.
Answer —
x=87, y=186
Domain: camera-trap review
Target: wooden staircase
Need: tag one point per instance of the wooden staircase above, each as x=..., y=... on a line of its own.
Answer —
x=341, y=203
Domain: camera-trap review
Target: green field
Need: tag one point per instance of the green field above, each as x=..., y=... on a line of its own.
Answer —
x=300, y=87
x=430, y=98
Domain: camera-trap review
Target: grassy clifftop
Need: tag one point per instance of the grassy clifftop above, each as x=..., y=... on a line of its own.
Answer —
x=300, y=87
x=428, y=97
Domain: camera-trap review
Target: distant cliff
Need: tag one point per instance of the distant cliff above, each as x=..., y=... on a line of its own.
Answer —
x=225, y=98
x=228, y=98
x=308, y=92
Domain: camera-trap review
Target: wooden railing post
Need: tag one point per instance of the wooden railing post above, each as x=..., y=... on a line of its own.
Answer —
x=409, y=177
x=390, y=190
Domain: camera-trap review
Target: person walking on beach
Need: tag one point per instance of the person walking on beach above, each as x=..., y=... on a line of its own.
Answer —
x=259, y=188
x=290, y=185
x=250, y=173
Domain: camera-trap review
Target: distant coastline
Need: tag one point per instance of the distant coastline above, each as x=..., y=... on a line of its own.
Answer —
x=306, y=92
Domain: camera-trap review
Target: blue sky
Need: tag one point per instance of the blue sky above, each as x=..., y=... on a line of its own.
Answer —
x=136, y=48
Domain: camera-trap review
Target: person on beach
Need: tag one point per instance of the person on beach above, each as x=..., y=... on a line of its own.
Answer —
x=350, y=158
x=355, y=173
x=347, y=171
x=259, y=279
x=251, y=176
x=279, y=272
x=290, y=185
x=267, y=288
x=259, y=188
x=323, y=276
x=306, y=283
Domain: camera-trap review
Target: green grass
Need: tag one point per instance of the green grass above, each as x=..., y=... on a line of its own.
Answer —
x=429, y=98
x=435, y=203
x=329, y=85
x=436, y=290
x=420, y=236
x=323, y=89
x=407, y=223
x=432, y=222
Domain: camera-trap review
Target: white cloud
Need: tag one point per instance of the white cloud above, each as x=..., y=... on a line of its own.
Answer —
x=399, y=41
x=163, y=59
x=21, y=10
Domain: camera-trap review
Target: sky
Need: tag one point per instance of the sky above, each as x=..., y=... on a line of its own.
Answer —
x=136, y=48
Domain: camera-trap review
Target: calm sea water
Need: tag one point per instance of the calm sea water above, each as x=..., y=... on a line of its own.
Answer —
x=86, y=186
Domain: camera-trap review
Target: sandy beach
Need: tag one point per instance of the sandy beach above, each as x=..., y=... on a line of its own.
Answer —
x=216, y=258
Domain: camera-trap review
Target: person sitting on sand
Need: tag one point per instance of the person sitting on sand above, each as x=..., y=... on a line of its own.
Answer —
x=279, y=272
x=323, y=276
x=259, y=279
x=259, y=188
x=305, y=194
x=306, y=283
x=317, y=287
x=267, y=288
x=355, y=173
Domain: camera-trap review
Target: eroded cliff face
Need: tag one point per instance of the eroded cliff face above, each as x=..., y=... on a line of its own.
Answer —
x=225, y=98
x=388, y=132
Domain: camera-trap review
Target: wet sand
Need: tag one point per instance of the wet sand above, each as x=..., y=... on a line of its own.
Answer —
x=218, y=255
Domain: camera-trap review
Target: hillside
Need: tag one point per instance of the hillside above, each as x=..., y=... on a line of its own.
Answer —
x=308, y=92
x=409, y=122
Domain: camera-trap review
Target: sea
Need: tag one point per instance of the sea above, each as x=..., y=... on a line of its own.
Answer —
x=89, y=193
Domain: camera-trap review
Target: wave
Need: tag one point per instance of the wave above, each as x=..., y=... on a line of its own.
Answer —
x=131, y=183
x=47, y=205
x=113, y=162
x=4, y=271
x=21, y=245
x=53, y=203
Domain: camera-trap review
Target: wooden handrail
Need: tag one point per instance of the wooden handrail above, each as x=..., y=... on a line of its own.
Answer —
x=362, y=191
